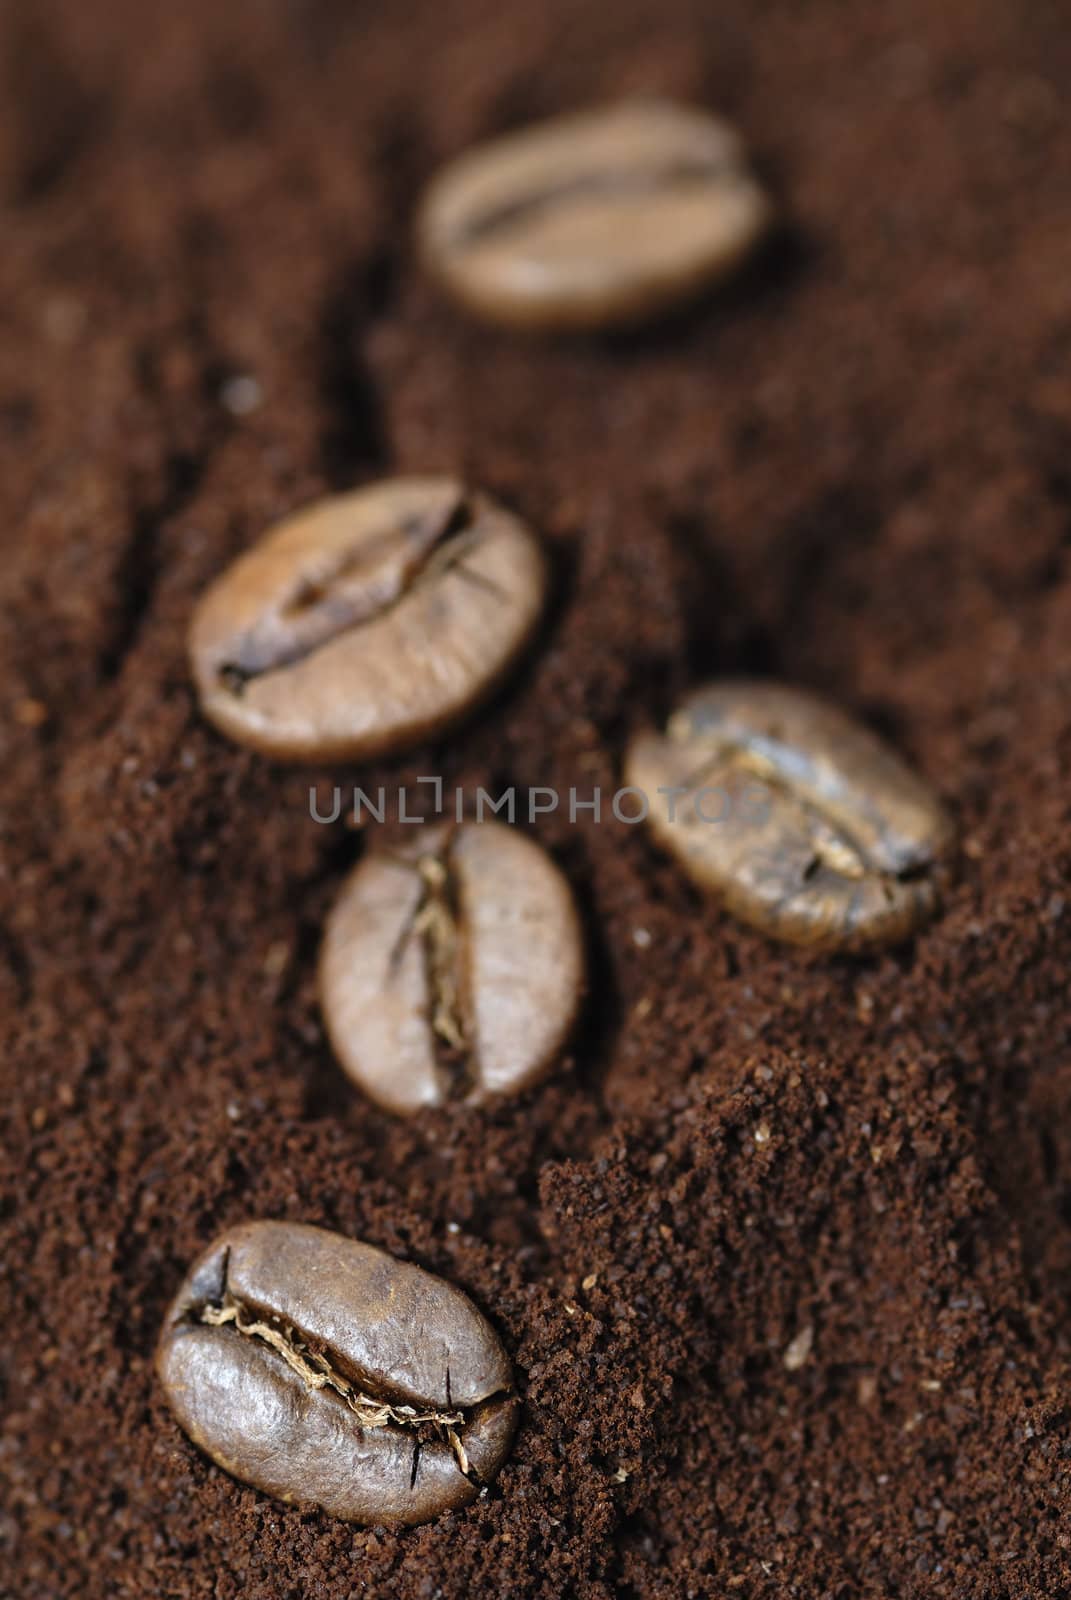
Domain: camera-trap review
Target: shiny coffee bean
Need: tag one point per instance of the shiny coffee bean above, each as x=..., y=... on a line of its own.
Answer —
x=327, y=1373
x=367, y=622
x=803, y=822
x=452, y=968
x=610, y=216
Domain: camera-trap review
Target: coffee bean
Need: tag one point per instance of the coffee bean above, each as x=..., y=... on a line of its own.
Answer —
x=804, y=823
x=327, y=1373
x=606, y=217
x=367, y=622
x=452, y=968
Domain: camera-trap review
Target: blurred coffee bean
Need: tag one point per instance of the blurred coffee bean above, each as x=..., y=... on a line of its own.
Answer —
x=451, y=968
x=803, y=822
x=609, y=216
x=367, y=622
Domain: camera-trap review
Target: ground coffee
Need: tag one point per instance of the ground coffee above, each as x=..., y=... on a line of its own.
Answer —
x=781, y=1258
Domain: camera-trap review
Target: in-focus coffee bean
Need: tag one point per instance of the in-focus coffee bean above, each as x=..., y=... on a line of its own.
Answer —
x=369, y=621
x=805, y=824
x=610, y=216
x=452, y=968
x=327, y=1373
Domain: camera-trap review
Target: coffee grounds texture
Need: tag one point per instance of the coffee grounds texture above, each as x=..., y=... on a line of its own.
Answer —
x=781, y=1252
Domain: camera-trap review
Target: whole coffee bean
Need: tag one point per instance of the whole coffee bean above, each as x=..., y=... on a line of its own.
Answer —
x=367, y=622
x=804, y=823
x=327, y=1373
x=452, y=968
x=606, y=217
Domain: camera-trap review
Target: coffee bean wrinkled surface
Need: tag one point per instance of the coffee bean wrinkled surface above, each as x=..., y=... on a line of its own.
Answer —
x=368, y=621
x=803, y=822
x=609, y=216
x=327, y=1373
x=452, y=967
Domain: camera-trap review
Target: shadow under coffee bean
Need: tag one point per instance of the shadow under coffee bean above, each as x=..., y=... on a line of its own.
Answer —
x=451, y=968
x=327, y=1373
x=803, y=822
x=606, y=217
x=368, y=621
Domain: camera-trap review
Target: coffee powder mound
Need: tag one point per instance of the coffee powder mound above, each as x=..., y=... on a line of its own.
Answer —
x=780, y=1254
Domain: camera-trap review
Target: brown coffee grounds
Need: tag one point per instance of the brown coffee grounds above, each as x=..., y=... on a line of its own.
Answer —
x=782, y=1255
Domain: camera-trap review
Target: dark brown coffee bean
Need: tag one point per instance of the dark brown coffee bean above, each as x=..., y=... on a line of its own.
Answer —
x=367, y=622
x=451, y=968
x=327, y=1373
x=606, y=217
x=804, y=823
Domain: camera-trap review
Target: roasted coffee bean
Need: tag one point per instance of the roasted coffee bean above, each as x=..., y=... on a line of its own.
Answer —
x=327, y=1373
x=605, y=217
x=451, y=968
x=804, y=823
x=367, y=622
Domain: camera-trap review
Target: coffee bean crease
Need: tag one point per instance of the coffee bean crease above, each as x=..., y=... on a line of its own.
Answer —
x=383, y=569
x=667, y=176
x=317, y=1373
